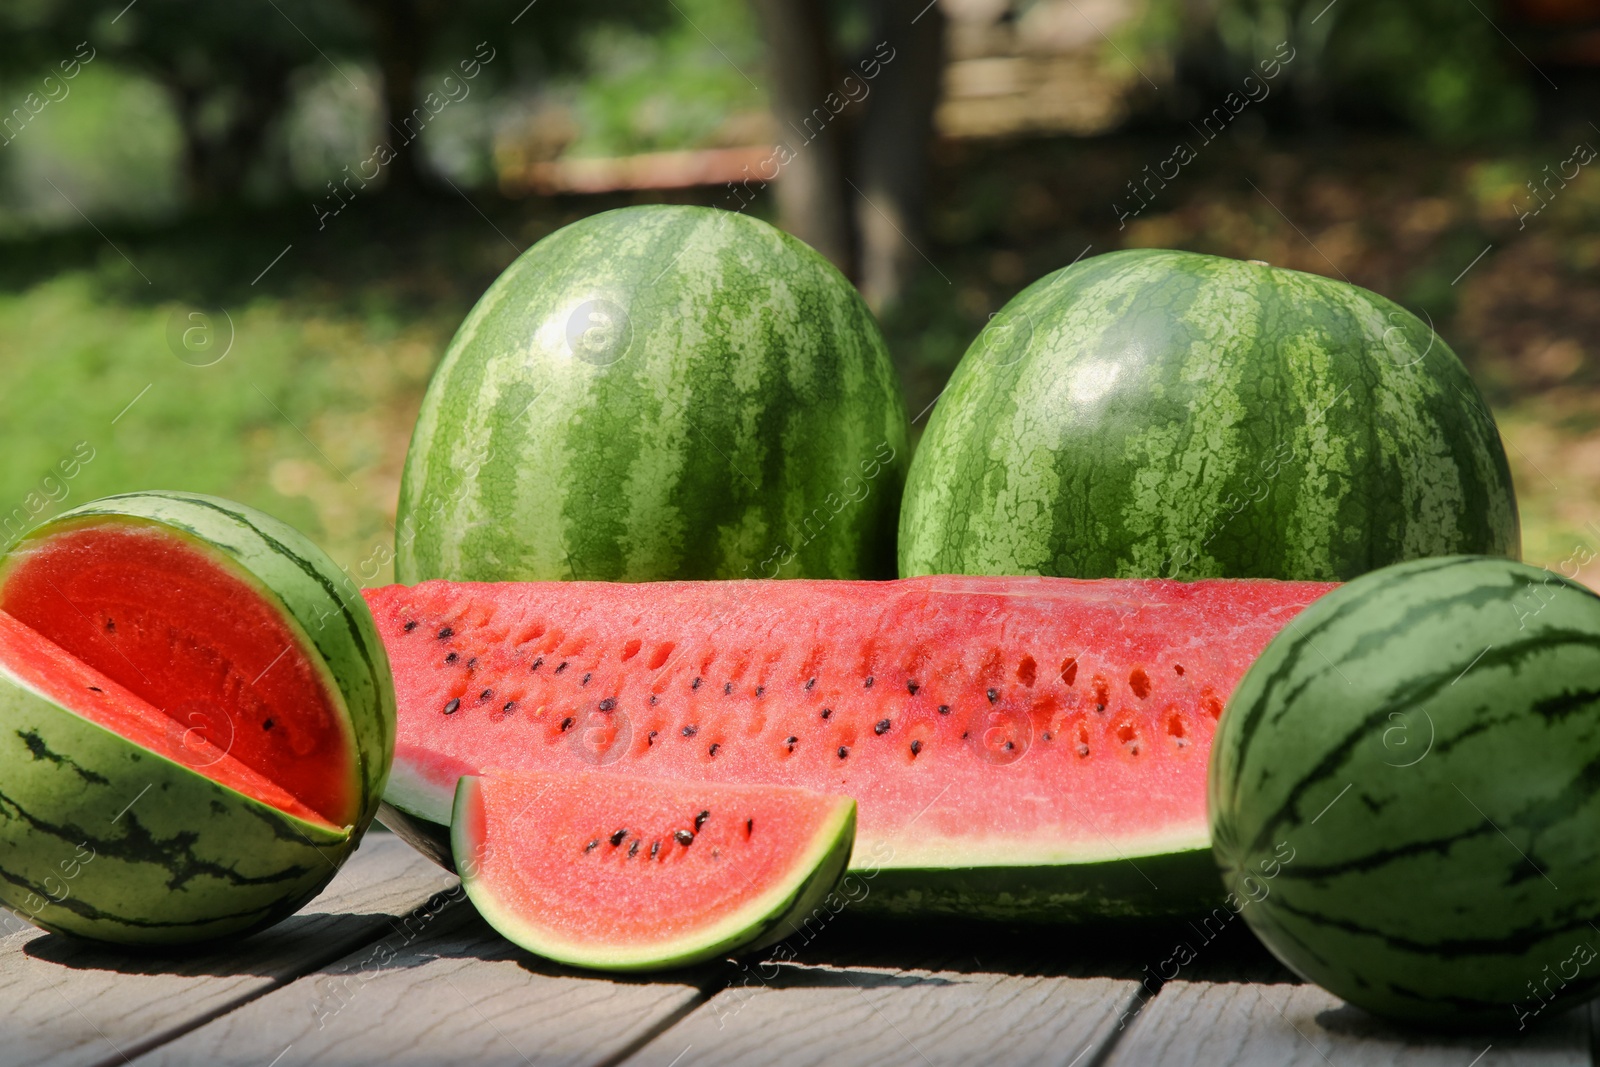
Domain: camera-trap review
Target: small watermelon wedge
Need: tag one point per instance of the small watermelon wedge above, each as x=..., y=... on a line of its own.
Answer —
x=639, y=874
x=1021, y=748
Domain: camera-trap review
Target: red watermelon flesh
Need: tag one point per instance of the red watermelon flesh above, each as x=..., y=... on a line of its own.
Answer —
x=978, y=722
x=205, y=668
x=631, y=873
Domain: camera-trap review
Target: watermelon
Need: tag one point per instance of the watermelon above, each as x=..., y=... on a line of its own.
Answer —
x=1028, y=747
x=196, y=722
x=1154, y=414
x=637, y=874
x=1405, y=793
x=658, y=392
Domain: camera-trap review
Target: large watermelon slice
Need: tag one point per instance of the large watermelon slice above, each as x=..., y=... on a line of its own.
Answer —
x=195, y=725
x=1030, y=747
x=631, y=874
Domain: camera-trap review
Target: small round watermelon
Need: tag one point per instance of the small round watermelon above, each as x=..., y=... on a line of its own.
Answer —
x=658, y=392
x=197, y=720
x=1157, y=414
x=1404, y=793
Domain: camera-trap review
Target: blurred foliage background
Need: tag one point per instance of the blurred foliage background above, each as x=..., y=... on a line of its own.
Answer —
x=214, y=277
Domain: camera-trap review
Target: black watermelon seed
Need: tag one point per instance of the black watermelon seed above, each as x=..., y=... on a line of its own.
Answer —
x=267, y=725
x=695, y=684
x=650, y=738
x=566, y=724
x=608, y=703
x=727, y=688
x=1010, y=746
x=633, y=849
x=689, y=731
x=450, y=708
x=700, y=820
x=760, y=689
x=654, y=700
x=486, y=694
x=843, y=752
x=537, y=664
x=586, y=677
x=446, y=632
x=810, y=682
x=412, y=625
x=882, y=727
x=561, y=666
x=111, y=627
x=826, y=712
x=507, y=709
x=1099, y=707
x=749, y=827
x=712, y=752
x=592, y=845
x=655, y=847
x=1047, y=735
x=451, y=657
x=869, y=682
x=97, y=689
x=1083, y=750
x=944, y=709
x=965, y=734
x=994, y=694
x=616, y=838
x=912, y=687
x=471, y=663
x=791, y=742
x=683, y=837
x=916, y=746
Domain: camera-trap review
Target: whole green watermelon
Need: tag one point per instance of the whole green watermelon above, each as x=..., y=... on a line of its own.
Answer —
x=655, y=393
x=1165, y=414
x=1404, y=793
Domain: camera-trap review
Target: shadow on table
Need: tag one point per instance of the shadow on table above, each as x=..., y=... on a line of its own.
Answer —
x=318, y=936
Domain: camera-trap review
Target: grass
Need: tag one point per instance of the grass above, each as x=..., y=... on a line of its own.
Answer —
x=307, y=412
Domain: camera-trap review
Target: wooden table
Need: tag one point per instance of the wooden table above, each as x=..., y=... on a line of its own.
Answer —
x=391, y=965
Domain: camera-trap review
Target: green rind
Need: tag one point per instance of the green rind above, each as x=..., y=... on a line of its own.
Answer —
x=1426, y=743
x=107, y=840
x=314, y=596
x=1170, y=885
x=751, y=425
x=831, y=852
x=1151, y=413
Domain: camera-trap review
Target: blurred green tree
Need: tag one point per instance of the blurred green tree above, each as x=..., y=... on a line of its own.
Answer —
x=228, y=67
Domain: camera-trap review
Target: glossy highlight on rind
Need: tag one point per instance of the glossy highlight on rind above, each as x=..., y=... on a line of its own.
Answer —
x=179, y=857
x=1424, y=748
x=659, y=392
x=1150, y=413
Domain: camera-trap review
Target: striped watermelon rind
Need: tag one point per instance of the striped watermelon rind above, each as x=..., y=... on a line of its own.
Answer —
x=107, y=840
x=191, y=859
x=1151, y=413
x=1405, y=792
x=658, y=392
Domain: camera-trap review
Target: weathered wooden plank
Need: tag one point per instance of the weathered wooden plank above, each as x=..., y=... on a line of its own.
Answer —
x=73, y=1002
x=452, y=991
x=1242, y=1023
x=883, y=1016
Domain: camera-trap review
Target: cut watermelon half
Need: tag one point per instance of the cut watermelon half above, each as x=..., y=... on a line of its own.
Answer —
x=633, y=874
x=184, y=700
x=1019, y=747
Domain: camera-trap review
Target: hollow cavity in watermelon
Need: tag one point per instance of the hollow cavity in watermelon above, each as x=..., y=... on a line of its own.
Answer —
x=1019, y=747
x=194, y=728
x=628, y=874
